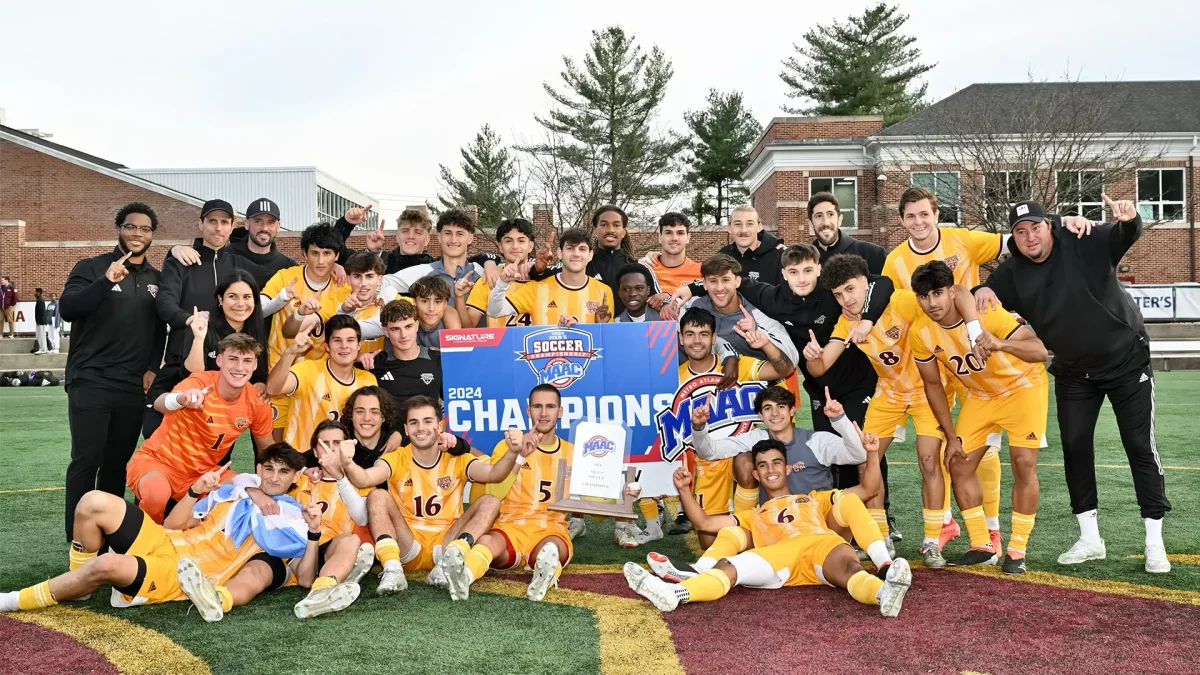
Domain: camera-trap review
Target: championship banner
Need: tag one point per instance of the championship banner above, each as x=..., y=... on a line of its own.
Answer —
x=622, y=373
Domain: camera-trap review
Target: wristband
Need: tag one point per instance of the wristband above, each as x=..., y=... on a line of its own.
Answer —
x=172, y=403
x=297, y=315
x=973, y=331
x=314, y=536
x=192, y=494
x=521, y=460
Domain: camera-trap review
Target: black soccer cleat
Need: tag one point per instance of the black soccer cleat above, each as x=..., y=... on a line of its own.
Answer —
x=976, y=556
x=682, y=525
x=894, y=532
x=1013, y=565
x=882, y=571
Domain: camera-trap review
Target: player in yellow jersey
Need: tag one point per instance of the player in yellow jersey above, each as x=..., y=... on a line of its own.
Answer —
x=899, y=393
x=365, y=272
x=421, y=511
x=1007, y=389
x=515, y=239
x=318, y=388
x=714, y=485
x=294, y=285
x=784, y=542
x=565, y=299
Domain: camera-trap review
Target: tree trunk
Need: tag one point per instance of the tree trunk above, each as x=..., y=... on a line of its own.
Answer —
x=720, y=201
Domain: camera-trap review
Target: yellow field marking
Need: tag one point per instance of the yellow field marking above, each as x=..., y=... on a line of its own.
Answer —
x=1098, y=466
x=627, y=627
x=1094, y=585
x=42, y=489
x=1181, y=558
x=133, y=649
x=573, y=568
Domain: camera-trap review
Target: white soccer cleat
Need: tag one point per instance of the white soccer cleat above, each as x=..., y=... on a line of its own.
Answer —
x=199, y=590
x=458, y=577
x=1082, y=552
x=625, y=535
x=437, y=576
x=391, y=580
x=667, y=570
x=891, y=548
x=327, y=600
x=364, y=560
x=543, y=573
x=897, y=583
x=653, y=531
x=1156, y=559
x=650, y=587
x=576, y=528
x=933, y=556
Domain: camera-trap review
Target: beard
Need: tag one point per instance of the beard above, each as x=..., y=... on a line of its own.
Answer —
x=123, y=242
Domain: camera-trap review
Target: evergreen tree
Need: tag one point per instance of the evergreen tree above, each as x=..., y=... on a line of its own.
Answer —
x=723, y=134
x=863, y=67
x=490, y=180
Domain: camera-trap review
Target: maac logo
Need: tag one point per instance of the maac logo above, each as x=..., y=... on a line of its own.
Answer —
x=598, y=446
x=558, y=356
x=951, y=261
x=730, y=412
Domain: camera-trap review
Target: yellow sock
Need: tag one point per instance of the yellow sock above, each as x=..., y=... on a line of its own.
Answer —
x=880, y=518
x=478, y=559
x=36, y=597
x=649, y=508
x=386, y=549
x=932, y=523
x=1022, y=525
x=744, y=499
x=730, y=541
x=977, y=527
x=323, y=582
x=864, y=587
x=989, y=481
x=850, y=512
x=706, y=587
x=227, y=597
x=78, y=557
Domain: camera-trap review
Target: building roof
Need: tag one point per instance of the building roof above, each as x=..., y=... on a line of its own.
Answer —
x=62, y=148
x=1128, y=107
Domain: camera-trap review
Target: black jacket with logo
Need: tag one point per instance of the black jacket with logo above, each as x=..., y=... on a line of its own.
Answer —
x=874, y=255
x=116, y=335
x=271, y=262
x=762, y=262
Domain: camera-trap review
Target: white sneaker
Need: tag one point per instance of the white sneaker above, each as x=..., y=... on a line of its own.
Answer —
x=653, y=531
x=327, y=600
x=897, y=583
x=543, y=573
x=1083, y=551
x=53, y=351
x=1156, y=559
x=933, y=555
x=651, y=587
x=576, y=528
x=199, y=590
x=364, y=560
x=454, y=564
x=391, y=580
x=437, y=576
x=623, y=535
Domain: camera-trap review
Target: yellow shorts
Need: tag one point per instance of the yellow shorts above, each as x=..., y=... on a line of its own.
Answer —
x=429, y=541
x=281, y=407
x=522, y=539
x=713, y=485
x=161, y=582
x=884, y=416
x=1021, y=413
x=798, y=561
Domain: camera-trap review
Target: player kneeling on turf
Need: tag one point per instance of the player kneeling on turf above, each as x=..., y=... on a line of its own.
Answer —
x=784, y=542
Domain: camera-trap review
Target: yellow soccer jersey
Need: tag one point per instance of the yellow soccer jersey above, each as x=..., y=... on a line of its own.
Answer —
x=713, y=482
x=319, y=396
x=430, y=497
x=528, y=500
x=784, y=517
x=887, y=347
x=331, y=297
x=478, y=300
x=748, y=368
x=211, y=548
x=963, y=251
x=361, y=314
x=1001, y=374
x=335, y=516
x=548, y=300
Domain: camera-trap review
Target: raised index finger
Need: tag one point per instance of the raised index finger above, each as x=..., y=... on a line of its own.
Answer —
x=1107, y=200
x=125, y=257
x=746, y=313
x=827, y=396
x=811, y=335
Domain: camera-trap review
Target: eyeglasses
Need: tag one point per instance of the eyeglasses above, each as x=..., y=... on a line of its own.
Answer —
x=134, y=228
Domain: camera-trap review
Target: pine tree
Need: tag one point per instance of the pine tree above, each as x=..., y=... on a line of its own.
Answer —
x=723, y=134
x=490, y=180
x=863, y=67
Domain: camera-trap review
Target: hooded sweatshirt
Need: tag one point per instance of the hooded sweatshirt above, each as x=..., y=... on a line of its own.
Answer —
x=762, y=262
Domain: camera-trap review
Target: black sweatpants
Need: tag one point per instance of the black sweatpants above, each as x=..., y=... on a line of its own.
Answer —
x=1132, y=398
x=855, y=404
x=105, y=425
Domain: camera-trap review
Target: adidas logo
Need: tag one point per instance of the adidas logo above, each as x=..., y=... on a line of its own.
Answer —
x=937, y=349
x=387, y=377
x=117, y=287
x=153, y=587
x=408, y=483
x=820, y=320
x=1031, y=437
x=1143, y=378
x=210, y=420
x=552, y=304
x=326, y=397
x=867, y=399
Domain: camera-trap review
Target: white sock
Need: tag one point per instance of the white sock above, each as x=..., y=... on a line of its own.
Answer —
x=1154, y=532
x=993, y=523
x=931, y=540
x=8, y=601
x=879, y=553
x=391, y=565
x=702, y=565
x=654, y=527
x=947, y=517
x=1089, y=526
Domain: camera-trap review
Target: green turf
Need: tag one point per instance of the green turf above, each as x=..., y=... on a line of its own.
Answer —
x=407, y=633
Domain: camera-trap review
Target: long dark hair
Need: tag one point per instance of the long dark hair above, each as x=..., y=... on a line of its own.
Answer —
x=254, y=326
x=387, y=407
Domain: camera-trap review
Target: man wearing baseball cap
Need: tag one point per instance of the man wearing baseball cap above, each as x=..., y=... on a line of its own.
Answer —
x=1065, y=286
x=256, y=241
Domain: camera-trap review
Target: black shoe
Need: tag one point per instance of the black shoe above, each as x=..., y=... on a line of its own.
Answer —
x=883, y=570
x=682, y=525
x=1013, y=565
x=975, y=556
x=894, y=532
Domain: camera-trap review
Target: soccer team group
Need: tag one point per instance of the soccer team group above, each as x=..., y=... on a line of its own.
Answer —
x=333, y=367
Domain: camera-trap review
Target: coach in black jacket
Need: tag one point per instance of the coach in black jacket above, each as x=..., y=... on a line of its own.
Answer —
x=116, y=347
x=756, y=250
x=825, y=214
x=256, y=241
x=1066, y=287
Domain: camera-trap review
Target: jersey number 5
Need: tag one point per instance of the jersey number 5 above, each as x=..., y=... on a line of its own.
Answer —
x=544, y=491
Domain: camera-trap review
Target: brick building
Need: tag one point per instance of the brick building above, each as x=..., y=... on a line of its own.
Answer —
x=868, y=167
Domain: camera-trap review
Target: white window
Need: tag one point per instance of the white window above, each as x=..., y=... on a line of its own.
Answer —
x=945, y=186
x=1078, y=194
x=845, y=188
x=1002, y=190
x=1160, y=194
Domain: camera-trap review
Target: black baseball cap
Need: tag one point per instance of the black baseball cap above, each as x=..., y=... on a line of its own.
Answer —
x=1023, y=211
x=216, y=205
x=260, y=206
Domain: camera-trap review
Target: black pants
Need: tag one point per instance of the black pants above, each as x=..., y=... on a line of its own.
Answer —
x=1132, y=398
x=104, y=432
x=855, y=404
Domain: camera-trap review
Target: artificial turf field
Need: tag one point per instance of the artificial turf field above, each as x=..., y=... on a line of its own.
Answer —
x=1106, y=616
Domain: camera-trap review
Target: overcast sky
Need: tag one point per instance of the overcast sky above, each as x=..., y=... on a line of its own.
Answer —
x=379, y=93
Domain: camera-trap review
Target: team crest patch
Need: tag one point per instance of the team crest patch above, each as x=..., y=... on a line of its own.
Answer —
x=591, y=306
x=801, y=500
x=241, y=422
x=153, y=288
x=797, y=466
x=444, y=482
x=893, y=333
x=558, y=356
x=427, y=377
x=731, y=411
x=951, y=261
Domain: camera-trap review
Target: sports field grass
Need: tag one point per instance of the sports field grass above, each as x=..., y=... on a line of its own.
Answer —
x=583, y=630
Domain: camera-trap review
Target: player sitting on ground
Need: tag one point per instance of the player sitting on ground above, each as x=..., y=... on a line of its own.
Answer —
x=784, y=542
x=203, y=417
x=148, y=563
x=421, y=511
x=1007, y=389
